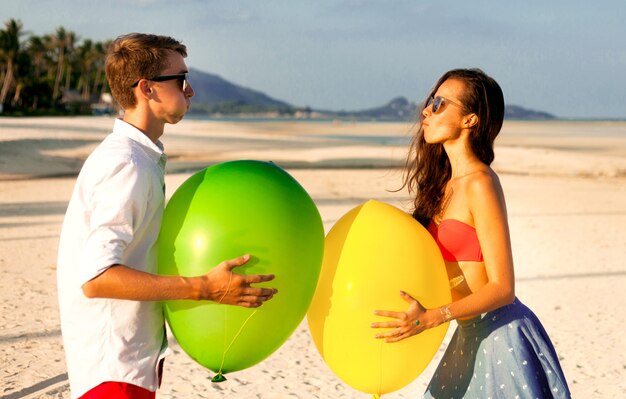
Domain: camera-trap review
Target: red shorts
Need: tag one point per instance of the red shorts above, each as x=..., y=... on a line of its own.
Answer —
x=118, y=390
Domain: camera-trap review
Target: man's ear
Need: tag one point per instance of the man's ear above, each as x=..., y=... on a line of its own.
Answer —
x=145, y=89
x=470, y=120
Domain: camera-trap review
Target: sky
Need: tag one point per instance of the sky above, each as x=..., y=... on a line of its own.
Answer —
x=565, y=57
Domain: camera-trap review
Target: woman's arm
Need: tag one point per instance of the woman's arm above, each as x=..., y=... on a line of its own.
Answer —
x=486, y=204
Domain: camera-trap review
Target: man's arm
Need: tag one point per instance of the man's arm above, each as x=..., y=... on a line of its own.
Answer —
x=220, y=285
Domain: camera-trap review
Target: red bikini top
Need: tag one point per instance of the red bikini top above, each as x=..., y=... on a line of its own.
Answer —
x=457, y=241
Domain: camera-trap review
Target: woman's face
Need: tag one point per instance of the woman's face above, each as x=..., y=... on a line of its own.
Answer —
x=447, y=122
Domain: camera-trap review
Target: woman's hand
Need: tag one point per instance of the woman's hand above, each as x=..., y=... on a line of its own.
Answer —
x=406, y=324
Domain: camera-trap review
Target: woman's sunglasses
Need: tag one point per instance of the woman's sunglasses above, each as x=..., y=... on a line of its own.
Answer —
x=438, y=101
x=183, y=80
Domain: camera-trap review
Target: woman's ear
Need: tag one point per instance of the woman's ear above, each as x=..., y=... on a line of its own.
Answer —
x=470, y=120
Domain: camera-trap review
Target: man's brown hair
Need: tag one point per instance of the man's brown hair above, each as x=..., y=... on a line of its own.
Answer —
x=137, y=56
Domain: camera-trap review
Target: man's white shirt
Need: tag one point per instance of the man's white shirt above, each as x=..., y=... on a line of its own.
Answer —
x=113, y=217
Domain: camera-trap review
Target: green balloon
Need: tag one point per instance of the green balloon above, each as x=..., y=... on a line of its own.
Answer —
x=225, y=211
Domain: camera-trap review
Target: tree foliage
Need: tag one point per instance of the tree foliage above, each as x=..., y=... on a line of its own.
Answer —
x=57, y=73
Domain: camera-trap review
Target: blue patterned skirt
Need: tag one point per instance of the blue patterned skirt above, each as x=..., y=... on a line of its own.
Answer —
x=505, y=353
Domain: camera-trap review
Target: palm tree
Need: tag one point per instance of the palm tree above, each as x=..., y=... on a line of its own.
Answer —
x=59, y=41
x=38, y=88
x=9, y=50
x=22, y=77
x=36, y=73
x=70, y=42
x=100, y=78
x=85, y=59
x=36, y=50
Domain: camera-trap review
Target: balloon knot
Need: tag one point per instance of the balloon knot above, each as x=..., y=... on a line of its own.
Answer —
x=219, y=377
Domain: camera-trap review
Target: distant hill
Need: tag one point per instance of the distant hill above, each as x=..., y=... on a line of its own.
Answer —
x=397, y=109
x=218, y=97
x=517, y=112
x=214, y=94
x=401, y=109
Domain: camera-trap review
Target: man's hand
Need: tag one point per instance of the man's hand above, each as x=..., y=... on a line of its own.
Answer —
x=222, y=285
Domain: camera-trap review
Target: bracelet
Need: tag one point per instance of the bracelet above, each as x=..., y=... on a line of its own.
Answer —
x=445, y=314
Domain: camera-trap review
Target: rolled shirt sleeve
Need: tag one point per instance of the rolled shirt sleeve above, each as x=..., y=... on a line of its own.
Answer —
x=118, y=207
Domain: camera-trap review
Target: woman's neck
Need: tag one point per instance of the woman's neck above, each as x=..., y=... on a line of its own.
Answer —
x=462, y=161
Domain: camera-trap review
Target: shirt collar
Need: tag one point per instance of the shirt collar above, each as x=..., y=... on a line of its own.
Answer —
x=126, y=129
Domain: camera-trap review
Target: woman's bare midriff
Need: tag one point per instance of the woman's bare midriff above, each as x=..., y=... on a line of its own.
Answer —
x=465, y=278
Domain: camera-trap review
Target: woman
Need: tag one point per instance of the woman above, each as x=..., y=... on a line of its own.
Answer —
x=500, y=348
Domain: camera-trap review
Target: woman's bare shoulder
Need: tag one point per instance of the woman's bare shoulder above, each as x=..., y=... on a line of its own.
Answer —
x=483, y=183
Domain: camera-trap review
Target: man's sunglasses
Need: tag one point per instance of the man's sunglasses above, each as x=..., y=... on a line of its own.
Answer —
x=438, y=101
x=183, y=80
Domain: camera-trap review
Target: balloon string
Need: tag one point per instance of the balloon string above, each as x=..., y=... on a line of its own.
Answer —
x=230, y=277
x=240, y=331
x=380, y=379
x=234, y=338
x=219, y=377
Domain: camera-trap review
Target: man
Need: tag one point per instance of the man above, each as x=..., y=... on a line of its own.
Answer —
x=111, y=317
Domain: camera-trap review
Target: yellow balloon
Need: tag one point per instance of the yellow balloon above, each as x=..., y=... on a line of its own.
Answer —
x=371, y=254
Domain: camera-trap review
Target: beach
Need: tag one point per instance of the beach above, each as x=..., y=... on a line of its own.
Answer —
x=564, y=181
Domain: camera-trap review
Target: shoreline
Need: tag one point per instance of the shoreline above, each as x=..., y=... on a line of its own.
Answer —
x=57, y=147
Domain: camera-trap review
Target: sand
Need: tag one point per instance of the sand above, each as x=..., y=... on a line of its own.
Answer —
x=565, y=184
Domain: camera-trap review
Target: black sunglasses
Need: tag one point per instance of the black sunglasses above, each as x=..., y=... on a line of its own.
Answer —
x=182, y=78
x=438, y=101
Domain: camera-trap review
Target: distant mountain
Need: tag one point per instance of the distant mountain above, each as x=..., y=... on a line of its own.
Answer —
x=517, y=112
x=213, y=92
x=217, y=96
x=397, y=109
x=401, y=109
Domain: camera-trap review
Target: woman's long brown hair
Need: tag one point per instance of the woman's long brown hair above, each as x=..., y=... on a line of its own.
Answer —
x=428, y=167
